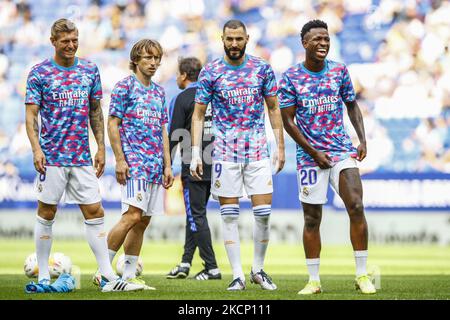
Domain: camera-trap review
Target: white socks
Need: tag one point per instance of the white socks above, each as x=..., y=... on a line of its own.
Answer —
x=129, y=267
x=43, y=238
x=230, y=232
x=313, y=269
x=261, y=231
x=96, y=237
x=112, y=255
x=361, y=262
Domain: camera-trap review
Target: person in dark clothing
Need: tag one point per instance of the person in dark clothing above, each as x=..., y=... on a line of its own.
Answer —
x=196, y=193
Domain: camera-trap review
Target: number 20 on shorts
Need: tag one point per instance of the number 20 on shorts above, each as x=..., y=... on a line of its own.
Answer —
x=308, y=177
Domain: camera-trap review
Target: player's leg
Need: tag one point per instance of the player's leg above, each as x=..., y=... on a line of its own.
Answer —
x=133, y=203
x=346, y=181
x=132, y=247
x=150, y=198
x=198, y=194
x=351, y=192
x=43, y=238
x=49, y=188
x=312, y=216
x=262, y=204
x=229, y=212
x=83, y=189
x=258, y=184
x=118, y=233
x=313, y=186
x=96, y=237
x=227, y=186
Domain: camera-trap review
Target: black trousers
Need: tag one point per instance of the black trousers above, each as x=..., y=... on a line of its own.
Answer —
x=196, y=195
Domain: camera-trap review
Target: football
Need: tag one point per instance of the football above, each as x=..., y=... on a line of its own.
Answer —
x=58, y=263
x=30, y=266
x=120, y=266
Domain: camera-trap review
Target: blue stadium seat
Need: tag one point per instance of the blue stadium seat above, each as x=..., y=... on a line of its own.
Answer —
x=354, y=20
x=294, y=43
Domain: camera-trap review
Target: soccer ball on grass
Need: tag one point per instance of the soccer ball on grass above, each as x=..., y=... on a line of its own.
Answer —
x=30, y=266
x=58, y=263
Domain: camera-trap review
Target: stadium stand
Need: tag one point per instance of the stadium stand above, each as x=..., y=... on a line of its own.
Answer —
x=397, y=53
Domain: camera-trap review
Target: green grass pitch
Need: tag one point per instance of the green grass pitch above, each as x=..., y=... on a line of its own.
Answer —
x=406, y=272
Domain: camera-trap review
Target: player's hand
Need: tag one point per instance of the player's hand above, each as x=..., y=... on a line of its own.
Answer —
x=278, y=159
x=39, y=161
x=167, y=178
x=196, y=167
x=122, y=172
x=322, y=159
x=99, y=162
x=281, y=158
x=362, y=152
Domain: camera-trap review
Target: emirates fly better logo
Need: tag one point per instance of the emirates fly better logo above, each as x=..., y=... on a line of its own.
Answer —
x=326, y=103
x=240, y=95
x=68, y=98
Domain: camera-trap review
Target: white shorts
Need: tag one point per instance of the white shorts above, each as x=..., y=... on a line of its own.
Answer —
x=229, y=178
x=313, y=181
x=143, y=195
x=78, y=185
